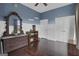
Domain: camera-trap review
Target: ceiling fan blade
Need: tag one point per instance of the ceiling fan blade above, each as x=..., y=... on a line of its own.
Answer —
x=45, y=4
x=36, y=4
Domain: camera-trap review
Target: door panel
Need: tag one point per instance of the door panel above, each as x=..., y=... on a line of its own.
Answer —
x=63, y=28
x=44, y=28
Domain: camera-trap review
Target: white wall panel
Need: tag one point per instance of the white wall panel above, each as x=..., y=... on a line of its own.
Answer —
x=2, y=27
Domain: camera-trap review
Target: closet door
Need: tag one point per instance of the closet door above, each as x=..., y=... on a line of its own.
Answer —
x=43, y=33
x=51, y=32
x=62, y=34
x=47, y=30
x=62, y=28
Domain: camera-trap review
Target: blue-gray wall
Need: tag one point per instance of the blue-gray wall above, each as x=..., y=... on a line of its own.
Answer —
x=59, y=12
x=2, y=11
x=25, y=12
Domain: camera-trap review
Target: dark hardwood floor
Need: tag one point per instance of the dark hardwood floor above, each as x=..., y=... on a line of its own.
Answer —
x=25, y=52
x=72, y=50
x=45, y=50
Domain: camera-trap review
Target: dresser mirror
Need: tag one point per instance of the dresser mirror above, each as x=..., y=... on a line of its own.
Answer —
x=13, y=24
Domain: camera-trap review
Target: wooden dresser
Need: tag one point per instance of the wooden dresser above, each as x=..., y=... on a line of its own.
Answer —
x=11, y=43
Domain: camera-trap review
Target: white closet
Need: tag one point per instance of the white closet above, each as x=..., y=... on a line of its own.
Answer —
x=62, y=29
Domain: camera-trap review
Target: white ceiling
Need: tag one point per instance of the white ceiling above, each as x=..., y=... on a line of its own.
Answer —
x=41, y=8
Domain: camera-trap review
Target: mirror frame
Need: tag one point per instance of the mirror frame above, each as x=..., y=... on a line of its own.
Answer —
x=6, y=32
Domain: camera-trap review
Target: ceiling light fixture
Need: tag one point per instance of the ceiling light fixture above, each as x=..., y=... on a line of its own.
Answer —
x=45, y=4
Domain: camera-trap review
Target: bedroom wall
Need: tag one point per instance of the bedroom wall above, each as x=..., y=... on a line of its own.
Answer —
x=28, y=15
x=51, y=15
x=1, y=19
x=65, y=11
x=25, y=12
x=58, y=12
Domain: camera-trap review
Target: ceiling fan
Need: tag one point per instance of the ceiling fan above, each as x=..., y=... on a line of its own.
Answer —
x=45, y=4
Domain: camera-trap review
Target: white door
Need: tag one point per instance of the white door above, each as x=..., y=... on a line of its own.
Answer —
x=62, y=28
x=51, y=31
x=62, y=34
x=47, y=30
x=43, y=33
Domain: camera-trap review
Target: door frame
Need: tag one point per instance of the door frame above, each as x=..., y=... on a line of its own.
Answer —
x=77, y=24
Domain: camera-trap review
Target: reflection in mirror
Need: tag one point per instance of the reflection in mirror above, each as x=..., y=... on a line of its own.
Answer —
x=14, y=25
x=18, y=26
x=11, y=25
